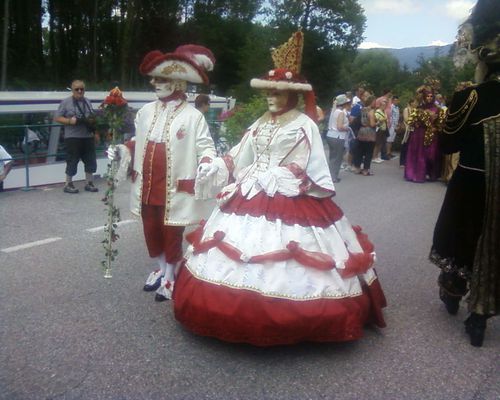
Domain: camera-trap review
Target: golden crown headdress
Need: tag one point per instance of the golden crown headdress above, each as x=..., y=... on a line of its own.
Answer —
x=434, y=83
x=287, y=60
x=289, y=55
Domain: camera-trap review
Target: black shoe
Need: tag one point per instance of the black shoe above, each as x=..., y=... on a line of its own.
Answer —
x=160, y=298
x=70, y=188
x=475, y=326
x=89, y=187
x=153, y=286
x=452, y=303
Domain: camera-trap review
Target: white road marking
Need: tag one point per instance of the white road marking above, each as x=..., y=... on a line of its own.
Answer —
x=31, y=244
x=100, y=228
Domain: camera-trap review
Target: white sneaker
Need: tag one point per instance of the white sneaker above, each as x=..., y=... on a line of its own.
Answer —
x=378, y=160
x=164, y=292
x=153, y=282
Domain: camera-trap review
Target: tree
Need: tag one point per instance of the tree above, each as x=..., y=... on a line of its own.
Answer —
x=341, y=22
x=5, y=42
x=149, y=25
x=378, y=68
x=241, y=10
x=23, y=47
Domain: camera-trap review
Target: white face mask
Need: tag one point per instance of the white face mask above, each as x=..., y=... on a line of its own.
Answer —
x=163, y=87
x=276, y=100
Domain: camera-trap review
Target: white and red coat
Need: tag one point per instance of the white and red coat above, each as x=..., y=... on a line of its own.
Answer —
x=278, y=262
x=185, y=133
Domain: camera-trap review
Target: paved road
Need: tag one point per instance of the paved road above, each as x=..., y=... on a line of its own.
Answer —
x=67, y=333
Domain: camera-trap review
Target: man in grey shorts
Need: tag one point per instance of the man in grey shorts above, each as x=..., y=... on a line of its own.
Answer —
x=76, y=114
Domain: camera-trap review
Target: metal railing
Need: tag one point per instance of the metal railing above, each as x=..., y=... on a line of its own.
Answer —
x=47, y=144
x=34, y=141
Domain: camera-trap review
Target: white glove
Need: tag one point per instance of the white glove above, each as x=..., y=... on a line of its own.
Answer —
x=206, y=170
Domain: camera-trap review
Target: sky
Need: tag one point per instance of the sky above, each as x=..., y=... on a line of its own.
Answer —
x=413, y=23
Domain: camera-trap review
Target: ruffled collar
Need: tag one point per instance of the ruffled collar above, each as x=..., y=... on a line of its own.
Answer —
x=280, y=118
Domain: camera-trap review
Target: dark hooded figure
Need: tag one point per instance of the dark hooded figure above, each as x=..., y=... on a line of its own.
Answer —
x=466, y=243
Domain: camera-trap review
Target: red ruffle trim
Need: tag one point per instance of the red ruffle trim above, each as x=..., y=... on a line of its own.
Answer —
x=356, y=264
x=244, y=316
x=303, y=210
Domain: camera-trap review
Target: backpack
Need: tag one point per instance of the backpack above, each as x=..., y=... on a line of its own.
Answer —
x=355, y=124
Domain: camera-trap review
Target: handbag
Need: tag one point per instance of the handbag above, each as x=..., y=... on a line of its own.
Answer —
x=366, y=134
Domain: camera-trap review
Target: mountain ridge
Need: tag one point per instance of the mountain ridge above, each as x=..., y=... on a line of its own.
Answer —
x=409, y=56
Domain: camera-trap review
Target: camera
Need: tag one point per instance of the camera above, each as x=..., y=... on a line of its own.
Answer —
x=89, y=122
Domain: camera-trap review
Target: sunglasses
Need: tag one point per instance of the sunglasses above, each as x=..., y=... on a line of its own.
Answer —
x=79, y=89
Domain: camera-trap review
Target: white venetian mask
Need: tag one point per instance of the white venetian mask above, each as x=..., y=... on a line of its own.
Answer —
x=276, y=100
x=164, y=87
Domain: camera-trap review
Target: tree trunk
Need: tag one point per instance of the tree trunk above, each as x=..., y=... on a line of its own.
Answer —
x=95, y=51
x=5, y=42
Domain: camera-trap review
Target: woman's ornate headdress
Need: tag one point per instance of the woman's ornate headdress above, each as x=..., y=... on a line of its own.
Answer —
x=287, y=60
x=432, y=83
x=286, y=75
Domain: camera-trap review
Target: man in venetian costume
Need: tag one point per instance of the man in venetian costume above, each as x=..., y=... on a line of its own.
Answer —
x=466, y=243
x=277, y=262
x=172, y=139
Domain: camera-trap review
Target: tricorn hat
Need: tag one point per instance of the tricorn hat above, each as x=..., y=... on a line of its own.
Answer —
x=187, y=63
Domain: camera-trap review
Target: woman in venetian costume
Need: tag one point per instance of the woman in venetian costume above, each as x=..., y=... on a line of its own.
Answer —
x=466, y=243
x=277, y=262
x=423, y=157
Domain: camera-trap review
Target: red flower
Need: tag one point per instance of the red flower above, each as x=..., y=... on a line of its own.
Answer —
x=115, y=98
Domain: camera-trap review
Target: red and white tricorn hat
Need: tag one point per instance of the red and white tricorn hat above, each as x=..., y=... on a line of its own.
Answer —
x=189, y=63
x=287, y=61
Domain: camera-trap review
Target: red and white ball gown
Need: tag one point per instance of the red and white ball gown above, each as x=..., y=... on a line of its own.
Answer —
x=277, y=262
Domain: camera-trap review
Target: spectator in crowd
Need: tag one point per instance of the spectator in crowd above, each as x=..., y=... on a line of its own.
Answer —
x=366, y=137
x=382, y=128
x=387, y=94
x=77, y=116
x=423, y=158
x=358, y=96
x=467, y=233
x=338, y=128
x=404, y=142
x=5, y=165
x=202, y=103
x=354, y=124
x=393, y=125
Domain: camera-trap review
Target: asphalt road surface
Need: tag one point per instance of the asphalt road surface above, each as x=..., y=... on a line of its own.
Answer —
x=68, y=333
